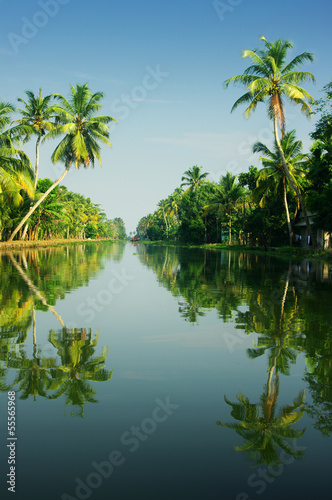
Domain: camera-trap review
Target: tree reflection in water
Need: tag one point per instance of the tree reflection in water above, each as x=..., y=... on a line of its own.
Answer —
x=78, y=366
x=33, y=280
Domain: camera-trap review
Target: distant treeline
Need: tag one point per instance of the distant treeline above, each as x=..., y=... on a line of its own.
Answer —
x=63, y=214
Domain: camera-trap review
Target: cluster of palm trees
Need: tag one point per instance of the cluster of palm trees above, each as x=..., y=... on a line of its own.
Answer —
x=271, y=79
x=65, y=214
x=74, y=120
x=194, y=202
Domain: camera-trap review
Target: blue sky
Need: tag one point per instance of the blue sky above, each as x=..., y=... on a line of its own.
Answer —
x=161, y=65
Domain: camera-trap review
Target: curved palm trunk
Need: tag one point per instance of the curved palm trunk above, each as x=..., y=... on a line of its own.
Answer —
x=287, y=211
x=292, y=183
x=36, y=180
x=36, y=205
x=25, y=230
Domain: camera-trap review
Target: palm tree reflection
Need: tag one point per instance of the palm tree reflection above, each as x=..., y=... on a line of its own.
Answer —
x=76, y=349
x=266, y=430
x=33, y=375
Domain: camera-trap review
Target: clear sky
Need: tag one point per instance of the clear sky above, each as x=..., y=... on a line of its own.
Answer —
x=161, y=65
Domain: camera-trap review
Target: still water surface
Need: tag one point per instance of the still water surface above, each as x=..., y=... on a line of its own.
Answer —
x=157, y=373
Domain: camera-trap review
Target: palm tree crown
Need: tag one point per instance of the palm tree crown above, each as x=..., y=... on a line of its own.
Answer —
x=82, y=129
x=272, y=165
x=270, y=78
x=38, y=116
x=272, y=176
x=16, y=173
x=75, y=119
x=229, y=194
x=193, y=178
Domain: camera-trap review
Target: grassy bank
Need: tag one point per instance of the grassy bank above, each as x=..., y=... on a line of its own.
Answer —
x=20, y=245
x=285, y=252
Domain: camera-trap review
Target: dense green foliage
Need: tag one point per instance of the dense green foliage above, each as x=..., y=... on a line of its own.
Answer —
x=63, y=214
x=320, y=163
x=36, y=208
x=259, y=206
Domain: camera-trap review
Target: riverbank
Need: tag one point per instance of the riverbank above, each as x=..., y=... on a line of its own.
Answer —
x=284, y=252
x=20, y=245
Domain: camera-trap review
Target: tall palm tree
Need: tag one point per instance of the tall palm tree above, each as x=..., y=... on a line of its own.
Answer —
x=82, y=132
x=16, y=173
x=271, y=79
x=273, y=174
x=194, y=178
x=226, y=199
x=38, y=119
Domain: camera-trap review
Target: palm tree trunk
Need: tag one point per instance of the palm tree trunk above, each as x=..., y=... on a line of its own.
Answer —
x=292, y=183
x=36, y=205
x=165, y=223
x=287, y=211
x=25, y=230
x=36, y=179
x=230, y=231
x=37, y=160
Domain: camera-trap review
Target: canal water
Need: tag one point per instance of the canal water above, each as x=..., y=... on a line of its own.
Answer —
x=139, y=372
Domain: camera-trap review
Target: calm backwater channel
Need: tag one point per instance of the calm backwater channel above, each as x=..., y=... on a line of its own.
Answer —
x=165, y=373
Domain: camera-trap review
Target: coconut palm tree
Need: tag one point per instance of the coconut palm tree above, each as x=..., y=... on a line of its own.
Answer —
x=194, y=178
x=16, y=173
x=272, y=176
x=226, y=199
x=38, y=119
x=270, y=79
x=82, y=132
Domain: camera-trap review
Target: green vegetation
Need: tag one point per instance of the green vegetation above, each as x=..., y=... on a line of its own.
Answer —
x=270, y=79
x=259, y=207
x=38, y=209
